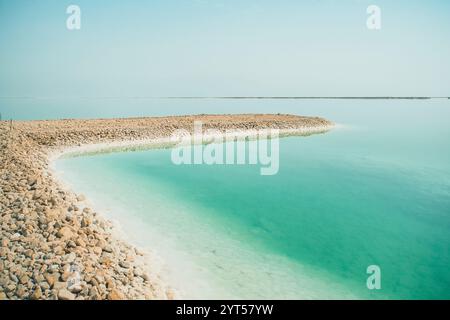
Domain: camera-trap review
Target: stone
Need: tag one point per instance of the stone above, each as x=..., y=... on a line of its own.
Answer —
x=3, y=252
x=64, y=233
x=80, y=243
x=170, y=294
x=69, y=217
x=87, y=210
x=37, y=294
x=44, y=285
x=70, y=257
x=145, y=276
x=59, y=285
x=15, y=236
x=24, y=279
x=94, y=294
x=51, y=278
x=53, y=201
x=86, y=221
x=66, y=275
x=13, y=277
x=97, y=250
x=29, y=253
x=115, y=295
x=105, y=260
x=64, y=294
x=75, y=288
x=138, y=272
x=110, y=283
x=52, y=214
x=38, y=277
x=21, y=291
x=71, y=244
x=11, y=287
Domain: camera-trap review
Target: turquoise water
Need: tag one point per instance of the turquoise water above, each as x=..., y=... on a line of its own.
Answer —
x=375, y=191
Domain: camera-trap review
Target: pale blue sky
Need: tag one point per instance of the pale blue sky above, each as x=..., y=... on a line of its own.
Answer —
x=224, y=48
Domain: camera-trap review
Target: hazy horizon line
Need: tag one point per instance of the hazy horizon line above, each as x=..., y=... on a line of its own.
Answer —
x=236, y=97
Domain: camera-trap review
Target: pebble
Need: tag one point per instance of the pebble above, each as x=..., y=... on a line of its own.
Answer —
x=59, y=285
x=70, y=257
x=65, y=294
x=37, y=294
x=115, y=295
x=24, y=279
x=64, y=233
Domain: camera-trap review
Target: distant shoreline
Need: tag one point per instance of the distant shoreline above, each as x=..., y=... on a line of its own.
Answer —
x=240, y=98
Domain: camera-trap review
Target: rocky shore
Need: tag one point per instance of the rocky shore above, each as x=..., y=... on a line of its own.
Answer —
x=52, y=245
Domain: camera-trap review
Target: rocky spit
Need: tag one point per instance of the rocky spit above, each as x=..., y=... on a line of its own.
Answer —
x=55, y=247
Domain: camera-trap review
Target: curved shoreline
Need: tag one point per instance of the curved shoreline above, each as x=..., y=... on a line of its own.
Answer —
x=76, y=253
x=165, y=142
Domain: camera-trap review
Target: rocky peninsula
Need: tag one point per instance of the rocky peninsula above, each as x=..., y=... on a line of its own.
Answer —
x=53, y=246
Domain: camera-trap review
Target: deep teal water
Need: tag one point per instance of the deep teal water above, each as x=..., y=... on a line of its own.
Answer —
x=373, y=192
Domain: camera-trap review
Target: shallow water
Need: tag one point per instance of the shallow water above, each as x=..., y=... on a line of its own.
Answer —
x=375, y=191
